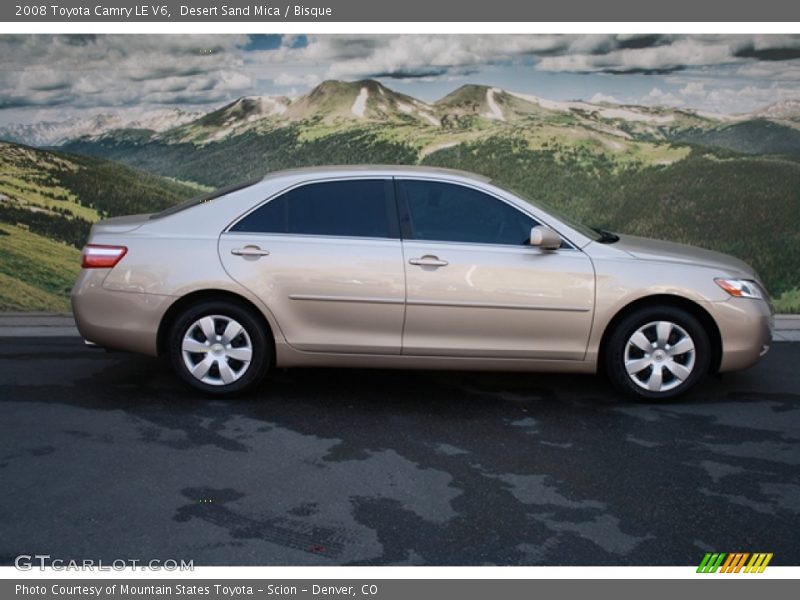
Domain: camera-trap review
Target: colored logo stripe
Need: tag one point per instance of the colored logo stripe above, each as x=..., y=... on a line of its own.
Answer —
x=711, y=562
x=759, y=561
x=734, y=562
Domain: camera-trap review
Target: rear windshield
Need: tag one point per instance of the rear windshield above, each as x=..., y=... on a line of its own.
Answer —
x=203, y=198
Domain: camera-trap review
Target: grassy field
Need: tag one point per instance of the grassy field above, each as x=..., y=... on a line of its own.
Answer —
x=27, y=175
x=788, y=303
x=36, y=274
x=48, y=201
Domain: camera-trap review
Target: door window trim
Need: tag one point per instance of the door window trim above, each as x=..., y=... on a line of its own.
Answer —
x=404, y=215
x=399, y=220
x=389, y=199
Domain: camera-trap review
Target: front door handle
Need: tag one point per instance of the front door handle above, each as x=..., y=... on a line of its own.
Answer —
x=250, y=251
x=428, y=261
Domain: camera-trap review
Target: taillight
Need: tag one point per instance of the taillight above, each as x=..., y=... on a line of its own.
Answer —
x=95, y=256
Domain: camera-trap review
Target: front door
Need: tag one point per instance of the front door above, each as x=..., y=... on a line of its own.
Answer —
x=475, y=287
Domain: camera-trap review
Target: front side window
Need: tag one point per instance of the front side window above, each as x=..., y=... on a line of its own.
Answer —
x=452, y=213
x=350, y=208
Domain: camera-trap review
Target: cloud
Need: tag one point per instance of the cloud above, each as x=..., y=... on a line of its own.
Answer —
x=291, y=79
x=659, y=97
x=724, y=99
x=770, y=48
x=93, y=72
x=678, y=55
x=112, y=70
x=600, y=97
x=694, y=89
x=664, y=54
x=410, y=56
x=773, y=71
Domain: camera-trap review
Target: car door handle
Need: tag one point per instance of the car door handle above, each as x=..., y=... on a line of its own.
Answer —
x=428, y=261
x=250, y=251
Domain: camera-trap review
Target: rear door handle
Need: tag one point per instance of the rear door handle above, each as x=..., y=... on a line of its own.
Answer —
x=250, y=251
x=428, y=261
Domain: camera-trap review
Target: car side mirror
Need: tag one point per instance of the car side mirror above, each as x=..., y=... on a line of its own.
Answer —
x=545, y=238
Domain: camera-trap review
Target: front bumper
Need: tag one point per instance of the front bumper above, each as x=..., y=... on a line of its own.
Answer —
x=745, y=326
x=117, y=320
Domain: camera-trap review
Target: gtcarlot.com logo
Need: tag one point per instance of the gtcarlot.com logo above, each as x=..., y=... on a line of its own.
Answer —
x=735, y=562
x=27, y=562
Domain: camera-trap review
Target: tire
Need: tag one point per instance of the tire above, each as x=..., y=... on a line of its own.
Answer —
x=209, y=347
x=653, y=340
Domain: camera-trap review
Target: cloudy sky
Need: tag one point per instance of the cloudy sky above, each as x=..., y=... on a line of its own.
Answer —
x=45, y=77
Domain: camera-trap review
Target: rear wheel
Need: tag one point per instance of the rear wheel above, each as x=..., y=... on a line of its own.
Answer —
x=657, y=353
x=219, y=348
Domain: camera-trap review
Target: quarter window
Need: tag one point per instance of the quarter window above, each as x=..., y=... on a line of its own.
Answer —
x=453, y=213
x=351, y=208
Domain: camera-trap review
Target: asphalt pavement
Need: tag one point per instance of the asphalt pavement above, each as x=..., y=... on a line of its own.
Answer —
x=107, y=456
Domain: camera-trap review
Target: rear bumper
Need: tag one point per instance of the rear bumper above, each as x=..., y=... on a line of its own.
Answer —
x=745, y=326
x=117, y=320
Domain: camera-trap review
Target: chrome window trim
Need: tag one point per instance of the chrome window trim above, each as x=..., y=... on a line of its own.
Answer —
x=294, y=186
x=492, y=194
x=398, y=177
x=315, y=236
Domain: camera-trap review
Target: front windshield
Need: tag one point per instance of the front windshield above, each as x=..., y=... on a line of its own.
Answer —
x=589, y=232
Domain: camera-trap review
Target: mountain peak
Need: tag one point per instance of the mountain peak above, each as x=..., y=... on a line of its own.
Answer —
x=788, y=108
x=467, y=93
x=365, y=99
x=473, y=100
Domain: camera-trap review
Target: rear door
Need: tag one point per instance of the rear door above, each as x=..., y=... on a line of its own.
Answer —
x=326, y=258
x=475, y=287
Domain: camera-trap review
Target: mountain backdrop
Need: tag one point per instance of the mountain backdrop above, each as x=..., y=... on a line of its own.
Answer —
x=730, y=183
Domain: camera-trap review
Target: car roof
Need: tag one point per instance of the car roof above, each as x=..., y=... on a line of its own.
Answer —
x=373, y=170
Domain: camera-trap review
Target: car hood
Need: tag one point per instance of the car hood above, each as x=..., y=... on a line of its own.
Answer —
x=647, y=249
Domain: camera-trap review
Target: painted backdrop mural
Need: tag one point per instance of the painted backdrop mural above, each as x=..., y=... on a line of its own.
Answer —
x=688, y=138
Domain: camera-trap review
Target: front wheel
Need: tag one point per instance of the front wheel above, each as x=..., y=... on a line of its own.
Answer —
x=219, y=348
x=657, y=353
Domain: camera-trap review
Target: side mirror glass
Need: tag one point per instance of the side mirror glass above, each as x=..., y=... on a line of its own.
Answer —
x=545, y=238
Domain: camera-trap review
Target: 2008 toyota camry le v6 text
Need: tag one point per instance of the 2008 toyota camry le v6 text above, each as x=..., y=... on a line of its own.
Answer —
x=414, y=268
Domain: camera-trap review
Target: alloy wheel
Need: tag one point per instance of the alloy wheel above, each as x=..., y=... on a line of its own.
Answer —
x=659, y=356
x=216, y=350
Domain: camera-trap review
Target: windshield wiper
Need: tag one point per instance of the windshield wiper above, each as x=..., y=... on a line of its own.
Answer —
x=606, y=237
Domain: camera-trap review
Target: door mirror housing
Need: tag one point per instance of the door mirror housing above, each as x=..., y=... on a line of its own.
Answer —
x=545, y=238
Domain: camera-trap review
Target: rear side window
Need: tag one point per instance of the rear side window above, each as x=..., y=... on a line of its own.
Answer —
x=352, y=208
x=453, y=213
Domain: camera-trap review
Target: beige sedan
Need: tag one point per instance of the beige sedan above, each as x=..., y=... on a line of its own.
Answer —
x=406, y=267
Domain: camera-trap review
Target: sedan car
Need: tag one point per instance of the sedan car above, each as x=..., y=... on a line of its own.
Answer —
x=408, y=267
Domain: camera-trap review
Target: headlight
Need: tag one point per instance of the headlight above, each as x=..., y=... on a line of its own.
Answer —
x=740, y=288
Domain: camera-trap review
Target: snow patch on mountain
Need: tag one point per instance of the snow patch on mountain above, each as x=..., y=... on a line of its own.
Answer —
x=785, y=109
x=632, y=115
x=420, y=109
x=360, y=105
x=430, y=118
x=495, y=112
x=606, y=112
x=555, y=104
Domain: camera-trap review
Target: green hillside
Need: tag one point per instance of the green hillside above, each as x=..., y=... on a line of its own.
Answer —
x=48, y=201
x=36, y=273
x=758, y=136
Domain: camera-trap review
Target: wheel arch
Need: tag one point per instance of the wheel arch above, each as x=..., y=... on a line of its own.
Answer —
x=696, y=310
x=184, y=302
